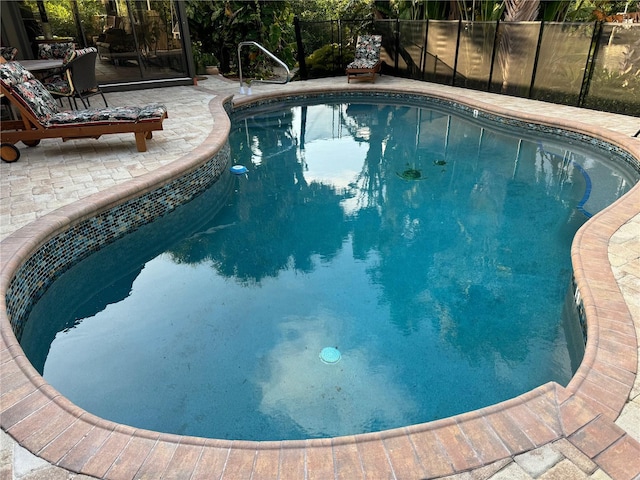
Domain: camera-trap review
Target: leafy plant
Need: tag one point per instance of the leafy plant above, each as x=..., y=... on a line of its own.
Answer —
x=209, y=59
x=221, y=25
x=60, y=16
x=326, y=61
x=202, y=59
x=346, y=10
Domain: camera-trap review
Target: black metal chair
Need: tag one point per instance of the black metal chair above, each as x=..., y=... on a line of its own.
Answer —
x=78, y=79
x=82, y=73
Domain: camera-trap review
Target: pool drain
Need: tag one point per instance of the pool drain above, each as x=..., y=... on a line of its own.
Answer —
x=330, y=355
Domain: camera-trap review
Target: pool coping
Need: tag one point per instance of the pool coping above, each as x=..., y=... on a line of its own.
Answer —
x=50, y=426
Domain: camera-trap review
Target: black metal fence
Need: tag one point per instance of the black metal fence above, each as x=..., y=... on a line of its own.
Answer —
x=592, y=65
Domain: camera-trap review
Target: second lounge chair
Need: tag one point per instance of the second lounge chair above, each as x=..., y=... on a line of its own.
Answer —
x=367, y=60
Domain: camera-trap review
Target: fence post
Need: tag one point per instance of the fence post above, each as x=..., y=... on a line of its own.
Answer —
x=334, y=63
x=588, y=68
x=301, y=60
x=421, y=64
x=397, y=46
x=493, y=54
x=455, y=62
x=535, y=60
x=340, y=38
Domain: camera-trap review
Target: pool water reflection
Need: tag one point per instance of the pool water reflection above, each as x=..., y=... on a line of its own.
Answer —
x=431, y=251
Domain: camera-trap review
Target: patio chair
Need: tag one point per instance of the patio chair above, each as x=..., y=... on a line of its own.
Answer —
x=8, y=53
x=367, y=60
x=55, y=51
x=78, y=79
x=41, y=118
x=47, y=51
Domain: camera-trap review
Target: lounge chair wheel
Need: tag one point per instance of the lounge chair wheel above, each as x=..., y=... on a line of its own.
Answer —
x=9, y=152
x=31, y=143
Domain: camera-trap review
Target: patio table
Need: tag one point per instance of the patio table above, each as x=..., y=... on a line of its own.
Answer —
x=41, y=65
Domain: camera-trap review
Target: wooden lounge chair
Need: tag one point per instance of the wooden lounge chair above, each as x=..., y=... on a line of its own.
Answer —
x=41, y=117
x=367, y=60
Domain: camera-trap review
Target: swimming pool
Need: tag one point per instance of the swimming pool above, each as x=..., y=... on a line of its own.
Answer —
x=428, y=169
x=47, y=424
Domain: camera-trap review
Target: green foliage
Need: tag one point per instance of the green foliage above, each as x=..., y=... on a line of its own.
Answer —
x=279, y=35
x=221, y=25
x=554, y=11
x=609, y=7
x=415, y=10
x=60, y=16
x=348, y=10
x=327, y=61
x=467, y=10
x=203, y=18
x=486, y=10
x=202, y=59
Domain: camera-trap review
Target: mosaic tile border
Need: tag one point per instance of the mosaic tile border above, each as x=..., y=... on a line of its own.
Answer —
x=67, y=248
x=445, y=104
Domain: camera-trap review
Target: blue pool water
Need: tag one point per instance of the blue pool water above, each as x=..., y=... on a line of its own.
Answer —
x=376, y=266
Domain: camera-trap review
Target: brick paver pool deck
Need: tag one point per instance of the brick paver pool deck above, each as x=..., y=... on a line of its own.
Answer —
x=588, y=429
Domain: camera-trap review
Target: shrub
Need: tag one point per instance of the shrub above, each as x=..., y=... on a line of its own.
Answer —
x=327, y=61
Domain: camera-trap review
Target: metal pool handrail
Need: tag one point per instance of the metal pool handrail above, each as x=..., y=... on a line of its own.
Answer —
x=271, y=55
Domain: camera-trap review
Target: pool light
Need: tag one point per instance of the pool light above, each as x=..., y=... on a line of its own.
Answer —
x=330, y=355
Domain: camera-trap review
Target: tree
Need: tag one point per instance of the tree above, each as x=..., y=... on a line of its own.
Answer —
x=221, y=25
x=334, y=9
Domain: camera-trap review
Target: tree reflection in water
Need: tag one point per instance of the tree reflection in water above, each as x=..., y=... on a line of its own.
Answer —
x=443, y=288
x=452, y=228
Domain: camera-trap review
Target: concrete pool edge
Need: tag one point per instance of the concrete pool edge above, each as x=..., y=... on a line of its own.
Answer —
x=136, y=445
